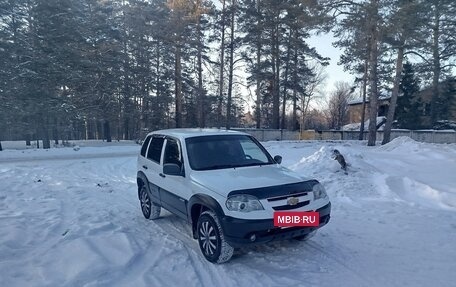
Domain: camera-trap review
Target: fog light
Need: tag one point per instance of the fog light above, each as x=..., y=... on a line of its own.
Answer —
x=253, y=237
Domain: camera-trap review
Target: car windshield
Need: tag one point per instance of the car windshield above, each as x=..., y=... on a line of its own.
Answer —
x=227, y=151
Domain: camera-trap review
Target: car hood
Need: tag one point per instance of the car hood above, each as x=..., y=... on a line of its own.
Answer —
x=222, y=181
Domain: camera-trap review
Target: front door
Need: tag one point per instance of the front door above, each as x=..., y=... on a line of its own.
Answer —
x=173, y=193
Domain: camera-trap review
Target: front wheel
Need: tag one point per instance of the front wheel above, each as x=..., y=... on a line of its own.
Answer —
x=149, y=209
x=211, y=239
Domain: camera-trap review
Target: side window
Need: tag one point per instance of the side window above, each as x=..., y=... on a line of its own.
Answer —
x=144, y=146
x=172, y=152
x=155, y=148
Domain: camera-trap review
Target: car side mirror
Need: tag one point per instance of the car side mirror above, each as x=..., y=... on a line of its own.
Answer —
x=172, y=169
x=278, y=159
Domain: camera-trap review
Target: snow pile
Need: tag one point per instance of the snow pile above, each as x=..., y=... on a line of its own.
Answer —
x=402, y=144
x=415, y=192
x=318, y=162
x=380, y=173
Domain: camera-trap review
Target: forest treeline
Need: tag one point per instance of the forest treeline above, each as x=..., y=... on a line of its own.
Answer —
x=84, y=69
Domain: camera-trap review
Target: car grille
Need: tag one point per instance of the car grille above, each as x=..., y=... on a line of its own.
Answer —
x=281, y=202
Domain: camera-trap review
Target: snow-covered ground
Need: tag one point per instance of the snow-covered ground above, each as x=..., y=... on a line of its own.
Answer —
x=72, y=218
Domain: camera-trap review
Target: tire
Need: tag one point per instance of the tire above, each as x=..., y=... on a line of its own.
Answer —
x=149, y=209
x=211, y=238
x=306, y=236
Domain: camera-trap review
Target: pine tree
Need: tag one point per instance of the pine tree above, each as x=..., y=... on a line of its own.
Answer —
x=446, y=102
x=438, y=49
x=409, y=105
x=402, y=36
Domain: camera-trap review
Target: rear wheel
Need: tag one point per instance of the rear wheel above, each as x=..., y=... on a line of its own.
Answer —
x=211, y=239
x=149, y=209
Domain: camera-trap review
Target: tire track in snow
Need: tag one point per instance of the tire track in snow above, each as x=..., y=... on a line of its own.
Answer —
x=206, y=272
x=341, y=264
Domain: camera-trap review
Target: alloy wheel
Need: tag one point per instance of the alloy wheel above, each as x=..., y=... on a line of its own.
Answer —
x=145, y=203
x=208, y=238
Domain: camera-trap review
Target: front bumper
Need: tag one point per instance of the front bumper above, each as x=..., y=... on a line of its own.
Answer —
x=238, y=232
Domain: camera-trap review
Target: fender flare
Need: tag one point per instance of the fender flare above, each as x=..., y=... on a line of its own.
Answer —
x=205, y=201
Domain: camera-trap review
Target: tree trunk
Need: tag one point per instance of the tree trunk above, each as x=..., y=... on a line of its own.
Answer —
x=295, y=92
x=231, y=68
x=1, y=148
x=201, y=120
x=363, y=110
x=55, y=136
x=27, y=140
x=435, y=64
x=222, y=69
x=46, y=140
x=394, y=95
x=258, y=84
x=294, y=123
x=86, y=126
x=285, y=86
x=373, y=77
x=178, y=85
x=276, y=79
x=126, y=128
x=107, y=131
x=55, y=132
x=275, y=84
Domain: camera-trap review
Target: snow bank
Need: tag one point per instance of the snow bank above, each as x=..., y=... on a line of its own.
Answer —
x=68, y=153
x=20, y=145
x=402, y=144
x=415, y=192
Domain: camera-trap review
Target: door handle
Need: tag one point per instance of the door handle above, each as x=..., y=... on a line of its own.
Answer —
x=145, y=166
x=162, y=175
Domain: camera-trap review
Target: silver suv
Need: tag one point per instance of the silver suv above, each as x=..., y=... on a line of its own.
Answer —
x=226, y=185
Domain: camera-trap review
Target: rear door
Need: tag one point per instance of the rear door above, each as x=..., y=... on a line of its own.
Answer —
x=152, y=166
x=142, y=160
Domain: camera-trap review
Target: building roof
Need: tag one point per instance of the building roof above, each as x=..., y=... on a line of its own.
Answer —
x=360, y=100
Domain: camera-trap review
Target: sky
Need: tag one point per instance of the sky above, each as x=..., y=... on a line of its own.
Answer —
x=323, y=44
x=335, y=72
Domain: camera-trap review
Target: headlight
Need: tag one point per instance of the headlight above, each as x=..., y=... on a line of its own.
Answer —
x=319, y=191
x=243, y=203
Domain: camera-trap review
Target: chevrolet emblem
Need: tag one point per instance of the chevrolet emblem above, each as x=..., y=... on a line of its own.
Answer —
x=292, y=200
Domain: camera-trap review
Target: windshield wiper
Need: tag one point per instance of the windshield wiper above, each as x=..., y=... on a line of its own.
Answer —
x=221, y=166
x=255, y=164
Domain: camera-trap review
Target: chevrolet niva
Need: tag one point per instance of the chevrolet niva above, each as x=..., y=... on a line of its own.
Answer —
x=226, y=185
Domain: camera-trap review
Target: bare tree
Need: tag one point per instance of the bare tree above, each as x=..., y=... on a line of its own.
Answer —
x=337, y=113
x=313, y=92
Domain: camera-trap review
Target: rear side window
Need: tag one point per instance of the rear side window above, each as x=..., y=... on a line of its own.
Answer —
x=144, y=146
x=155, y=148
